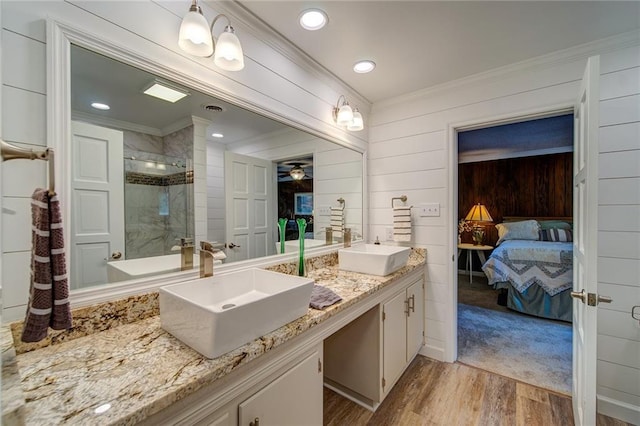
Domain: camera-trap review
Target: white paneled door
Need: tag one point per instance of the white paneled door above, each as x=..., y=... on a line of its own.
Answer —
x=97, y=200
x=250, y=219
x=585, y=255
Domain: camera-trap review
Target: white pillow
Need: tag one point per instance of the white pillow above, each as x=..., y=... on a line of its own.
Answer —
x=523, y=230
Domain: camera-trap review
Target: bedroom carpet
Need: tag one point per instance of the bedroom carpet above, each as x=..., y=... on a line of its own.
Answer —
x=529, y=349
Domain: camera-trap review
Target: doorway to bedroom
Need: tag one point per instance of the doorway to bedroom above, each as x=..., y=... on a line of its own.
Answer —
x=515, y=207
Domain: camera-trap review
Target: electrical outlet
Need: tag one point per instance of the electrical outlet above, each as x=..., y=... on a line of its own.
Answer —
x=389, y=234
x=430, y=209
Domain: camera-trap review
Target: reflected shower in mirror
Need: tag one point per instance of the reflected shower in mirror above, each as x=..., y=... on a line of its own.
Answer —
x=154, y=163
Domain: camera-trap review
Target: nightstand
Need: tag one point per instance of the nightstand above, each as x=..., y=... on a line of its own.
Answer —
x=480, y=249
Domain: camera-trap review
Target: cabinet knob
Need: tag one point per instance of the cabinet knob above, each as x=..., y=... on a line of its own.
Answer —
x=255, y=422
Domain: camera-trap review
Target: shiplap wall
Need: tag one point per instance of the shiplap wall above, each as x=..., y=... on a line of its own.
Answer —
x=216, y=210
x=411, y=148
x=275, y=82
x=618, y=368
x=337, y=172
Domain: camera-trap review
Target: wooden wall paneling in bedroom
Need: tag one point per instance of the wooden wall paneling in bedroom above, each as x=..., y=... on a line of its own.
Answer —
x=528, y=186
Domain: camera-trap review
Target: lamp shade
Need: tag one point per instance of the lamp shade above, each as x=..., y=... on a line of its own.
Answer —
x=357, y=123
x=195, y=36
x=345, y=115
x=479, y=213
x=228, y=53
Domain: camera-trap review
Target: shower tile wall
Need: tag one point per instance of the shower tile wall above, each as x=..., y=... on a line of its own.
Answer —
x=158, y=203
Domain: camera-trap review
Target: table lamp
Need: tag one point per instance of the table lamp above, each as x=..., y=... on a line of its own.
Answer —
x=478, y=213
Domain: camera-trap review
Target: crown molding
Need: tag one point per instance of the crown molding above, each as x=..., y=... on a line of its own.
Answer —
x=177, y=125
x=113, y=123
x=575, y=53
x=278, y=42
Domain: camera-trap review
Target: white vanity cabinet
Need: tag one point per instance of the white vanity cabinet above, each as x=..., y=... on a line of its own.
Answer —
x=285, y=392
x=295, y=398
x=402, y=331
x=364, y=359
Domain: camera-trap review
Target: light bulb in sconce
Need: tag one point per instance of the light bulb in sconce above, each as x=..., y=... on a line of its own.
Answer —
x=228, y=54
x=345, y=115
x=357, y=123
x=195, y=35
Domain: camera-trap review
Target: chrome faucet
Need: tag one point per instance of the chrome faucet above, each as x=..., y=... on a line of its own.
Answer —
x=207, y=251
x=186, y=254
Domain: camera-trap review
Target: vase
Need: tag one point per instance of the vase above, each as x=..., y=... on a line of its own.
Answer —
x=477, y=235
x=282, y=225
x=302, y=226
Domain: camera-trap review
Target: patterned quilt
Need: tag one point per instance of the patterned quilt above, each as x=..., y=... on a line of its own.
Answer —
x=524, y=263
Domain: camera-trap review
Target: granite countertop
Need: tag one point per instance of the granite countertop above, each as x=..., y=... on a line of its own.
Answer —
x=139, y=369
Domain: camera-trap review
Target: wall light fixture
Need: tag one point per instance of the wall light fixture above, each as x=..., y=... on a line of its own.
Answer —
x=196, y=38
x=346, y=116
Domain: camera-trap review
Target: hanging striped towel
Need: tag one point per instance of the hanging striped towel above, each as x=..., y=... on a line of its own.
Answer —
x=49, y=290
x=402, y=224
x=337, y=221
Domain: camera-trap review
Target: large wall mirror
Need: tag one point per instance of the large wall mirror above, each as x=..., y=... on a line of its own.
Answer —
x=156, y=165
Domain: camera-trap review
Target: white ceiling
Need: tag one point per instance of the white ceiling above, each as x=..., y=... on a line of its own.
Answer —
x=421, y=44
x=96, y=78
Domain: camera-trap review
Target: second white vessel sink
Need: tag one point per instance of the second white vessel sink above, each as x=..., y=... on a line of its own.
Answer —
x=373, y=259
x=218, y=314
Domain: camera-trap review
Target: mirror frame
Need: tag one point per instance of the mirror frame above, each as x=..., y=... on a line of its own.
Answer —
x=60, y=36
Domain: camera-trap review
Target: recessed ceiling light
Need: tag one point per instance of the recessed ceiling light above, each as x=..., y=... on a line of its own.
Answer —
x=98, y=105
x=362, y=67
x=217, y=135
x=165, y=91
x=313, y=19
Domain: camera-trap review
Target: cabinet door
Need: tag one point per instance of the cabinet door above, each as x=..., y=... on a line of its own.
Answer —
x=395, y=339
x=295, y=398
x=415, y=320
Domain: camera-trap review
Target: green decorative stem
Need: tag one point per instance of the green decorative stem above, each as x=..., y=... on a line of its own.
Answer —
x=282, y=224
x=302, y=226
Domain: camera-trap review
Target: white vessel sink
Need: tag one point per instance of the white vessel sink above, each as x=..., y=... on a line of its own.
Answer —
x=122, y=270
x=373, y=259
x=218, y=314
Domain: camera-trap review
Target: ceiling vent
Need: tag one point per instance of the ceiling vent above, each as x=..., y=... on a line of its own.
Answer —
x=212, y=108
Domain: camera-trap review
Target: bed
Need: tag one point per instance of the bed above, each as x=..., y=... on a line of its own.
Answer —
x=533, y=263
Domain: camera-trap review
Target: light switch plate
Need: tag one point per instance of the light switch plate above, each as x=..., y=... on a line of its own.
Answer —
x=429, y=209
x=323, y=211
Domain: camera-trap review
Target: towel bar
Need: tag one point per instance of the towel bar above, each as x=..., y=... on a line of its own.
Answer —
x=10, y=152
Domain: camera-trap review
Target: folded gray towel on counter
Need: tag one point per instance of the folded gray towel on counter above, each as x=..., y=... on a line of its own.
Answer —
x=321, y=297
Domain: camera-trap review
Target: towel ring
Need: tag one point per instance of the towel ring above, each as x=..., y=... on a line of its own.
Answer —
x=402, y=198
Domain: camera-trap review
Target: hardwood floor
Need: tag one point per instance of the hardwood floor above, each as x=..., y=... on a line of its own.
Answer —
x=437, y=393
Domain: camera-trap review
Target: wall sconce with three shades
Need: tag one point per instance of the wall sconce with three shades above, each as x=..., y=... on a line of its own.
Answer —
x=346, y=116
x=196, y=38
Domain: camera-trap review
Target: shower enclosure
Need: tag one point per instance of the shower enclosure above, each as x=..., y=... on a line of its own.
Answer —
x=159, y=210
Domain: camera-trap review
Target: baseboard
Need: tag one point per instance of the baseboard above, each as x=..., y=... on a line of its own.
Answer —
x=432, y=352
x=618, y=410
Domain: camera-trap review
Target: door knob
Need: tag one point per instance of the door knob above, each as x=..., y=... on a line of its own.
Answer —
x=590, y=299
x=114, y=256
x=231, y=245
x=579, y=295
